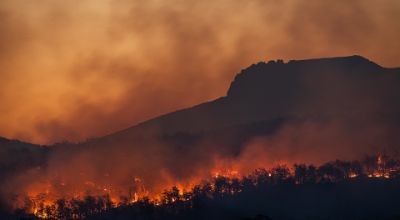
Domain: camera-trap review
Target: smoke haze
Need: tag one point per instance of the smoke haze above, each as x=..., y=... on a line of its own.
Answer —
x=71, y=71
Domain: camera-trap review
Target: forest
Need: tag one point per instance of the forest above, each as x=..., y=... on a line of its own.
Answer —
x=365, y=189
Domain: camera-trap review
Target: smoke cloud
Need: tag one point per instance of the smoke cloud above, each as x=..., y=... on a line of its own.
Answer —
x=71, y=71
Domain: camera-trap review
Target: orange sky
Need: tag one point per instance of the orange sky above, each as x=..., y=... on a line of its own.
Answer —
x=70, y=70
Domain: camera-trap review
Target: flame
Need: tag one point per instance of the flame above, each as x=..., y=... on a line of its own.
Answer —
x=353, y=175
x=46, y=194
x=227, y=173
x=379, y=160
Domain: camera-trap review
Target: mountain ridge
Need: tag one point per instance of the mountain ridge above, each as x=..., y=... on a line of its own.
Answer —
x=210, y=113
x=334, y=106
x=167, y=123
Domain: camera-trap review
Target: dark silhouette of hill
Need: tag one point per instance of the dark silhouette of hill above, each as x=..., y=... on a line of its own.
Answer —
x=16, y=156
x=352, y=87
x=261, y=99
x=332, y=108
x=276, y=91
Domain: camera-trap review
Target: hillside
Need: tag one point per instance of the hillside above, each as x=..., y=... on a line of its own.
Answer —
x=16, y=156
x=339, y=107
x=310, y=111
x=332, y=87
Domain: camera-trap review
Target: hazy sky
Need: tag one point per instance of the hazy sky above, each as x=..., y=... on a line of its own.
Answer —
x=77, y=69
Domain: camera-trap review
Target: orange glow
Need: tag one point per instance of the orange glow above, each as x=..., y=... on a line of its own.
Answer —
x=46, y=194
x=68, y=52
x=353, y=175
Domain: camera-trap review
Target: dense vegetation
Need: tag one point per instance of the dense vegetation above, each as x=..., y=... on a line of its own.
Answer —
x=369, y=189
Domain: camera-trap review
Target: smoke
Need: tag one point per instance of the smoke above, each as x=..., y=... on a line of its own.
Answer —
x=316, y=142
x=74, y=71
x=152, y=166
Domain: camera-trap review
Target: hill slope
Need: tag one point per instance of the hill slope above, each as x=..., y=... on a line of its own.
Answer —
x=307, y=111
x=335, y=87
x=321, y=108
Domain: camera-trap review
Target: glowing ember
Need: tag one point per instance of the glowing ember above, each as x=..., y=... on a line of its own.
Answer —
x=353, y=175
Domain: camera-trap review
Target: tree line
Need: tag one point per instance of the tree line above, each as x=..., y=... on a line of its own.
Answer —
x=218, y=198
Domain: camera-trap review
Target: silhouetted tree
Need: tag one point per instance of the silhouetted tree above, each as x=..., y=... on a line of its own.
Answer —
x=311, y=176
x=280, y=174
x=300, y=173
x=330, y=173
x=62, y=209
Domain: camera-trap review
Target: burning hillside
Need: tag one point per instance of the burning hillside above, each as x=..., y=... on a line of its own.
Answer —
x=275, y=113
x=98, y=199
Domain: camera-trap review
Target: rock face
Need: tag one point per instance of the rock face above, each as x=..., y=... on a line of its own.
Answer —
x=333, y=86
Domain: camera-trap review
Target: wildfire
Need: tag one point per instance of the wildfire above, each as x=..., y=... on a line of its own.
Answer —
x=45, y=198
x=382, y=170
x=227, y=173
